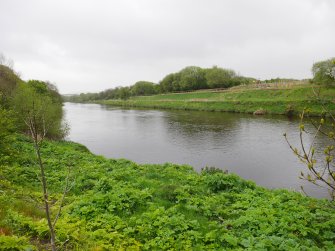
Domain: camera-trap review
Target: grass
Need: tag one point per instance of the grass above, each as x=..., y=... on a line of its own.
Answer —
x=273, y=98
x=121, y=205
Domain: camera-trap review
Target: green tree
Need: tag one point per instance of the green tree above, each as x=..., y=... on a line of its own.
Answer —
x=220, y=78
x=46, y=88
x=188, y=79
x=192, y=78
x=56, y=127
x=124, y=93
x=176, y=86
x=324, y=72
x=166, y=83
x=40, y=113
x=142, y=88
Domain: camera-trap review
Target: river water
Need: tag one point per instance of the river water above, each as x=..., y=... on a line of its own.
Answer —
x=251, y=146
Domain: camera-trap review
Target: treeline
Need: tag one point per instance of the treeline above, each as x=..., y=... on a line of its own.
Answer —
x=280, y=80
x=20, y=99
x=190, y=78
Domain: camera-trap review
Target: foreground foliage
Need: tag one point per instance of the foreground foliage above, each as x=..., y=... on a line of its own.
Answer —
x=324, y=72
x=321, y=173
x=120, y=205
x=35, y=107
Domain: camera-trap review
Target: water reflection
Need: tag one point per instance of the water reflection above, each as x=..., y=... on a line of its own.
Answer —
x=253, y=147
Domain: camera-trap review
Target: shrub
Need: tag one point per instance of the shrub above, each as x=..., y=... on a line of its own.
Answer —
x=324, y=72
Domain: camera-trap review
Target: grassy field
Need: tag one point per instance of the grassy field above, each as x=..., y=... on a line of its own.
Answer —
x=121, y=205
x=271, y=98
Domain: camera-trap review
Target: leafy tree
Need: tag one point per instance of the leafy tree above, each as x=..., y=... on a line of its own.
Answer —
x=157, y=88
x=188, y=79
x=40, y=113
x=46, y=88
x=176, y=86
x=166, y=83
x=141, y=88
x=219, y=78
x=192, y=78
x=124, y=93
x=324, y=72
x=56, y=128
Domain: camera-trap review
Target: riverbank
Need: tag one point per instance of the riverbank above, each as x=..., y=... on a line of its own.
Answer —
x=288, y=99
x=118, y=204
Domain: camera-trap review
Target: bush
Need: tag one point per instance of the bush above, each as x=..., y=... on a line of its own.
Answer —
x=14, y=243
x=218, y=182
x=324, y=72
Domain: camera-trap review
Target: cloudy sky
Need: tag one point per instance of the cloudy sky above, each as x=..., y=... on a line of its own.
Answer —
x=86, y=46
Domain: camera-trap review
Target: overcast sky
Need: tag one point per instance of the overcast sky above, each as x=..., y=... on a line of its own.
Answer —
x=85, y=46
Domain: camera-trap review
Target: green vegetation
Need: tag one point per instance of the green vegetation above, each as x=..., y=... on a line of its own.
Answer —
x=105, y=204
x=287, y=99
x=319, y=172
x=39, y=103
x=141, y=88
x=324, y=72
x=33, y=107
x=120, y=205
x=18, y=98
x=7, y=130
x=39, y=109
x=188, y=79
x=8, y=82
x=273, y=96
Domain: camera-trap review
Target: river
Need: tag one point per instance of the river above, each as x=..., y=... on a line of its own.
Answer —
x=251, y=146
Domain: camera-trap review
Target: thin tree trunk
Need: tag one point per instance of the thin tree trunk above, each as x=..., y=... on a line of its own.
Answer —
x=46, y=198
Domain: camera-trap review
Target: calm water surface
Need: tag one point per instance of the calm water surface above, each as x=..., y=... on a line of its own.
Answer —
x=250, y=146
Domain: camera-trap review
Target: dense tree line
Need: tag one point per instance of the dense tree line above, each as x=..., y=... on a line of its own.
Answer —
x=279, y=80
x=18, y=97
x=190, y=78
x=193, y=78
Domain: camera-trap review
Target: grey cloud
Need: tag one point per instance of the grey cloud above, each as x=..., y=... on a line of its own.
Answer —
x=94, y=45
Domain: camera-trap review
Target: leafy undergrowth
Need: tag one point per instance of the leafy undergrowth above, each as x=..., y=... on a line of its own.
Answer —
x=120, y=205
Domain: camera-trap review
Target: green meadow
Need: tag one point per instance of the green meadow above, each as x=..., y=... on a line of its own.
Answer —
x=272, y=98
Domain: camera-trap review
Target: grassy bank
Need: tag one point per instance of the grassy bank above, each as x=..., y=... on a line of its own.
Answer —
x=120, y=205
x=271, y=98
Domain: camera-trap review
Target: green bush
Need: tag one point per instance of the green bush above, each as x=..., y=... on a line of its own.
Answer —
x=218, y=182
x=324, y=72
x=14, y=243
